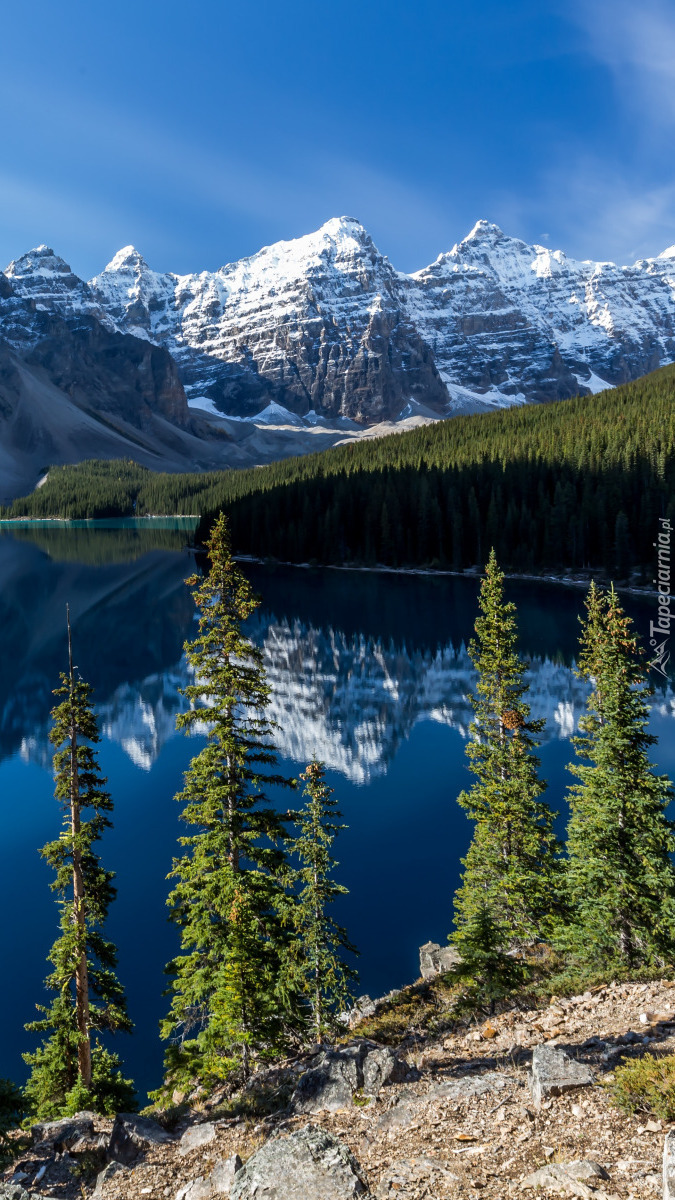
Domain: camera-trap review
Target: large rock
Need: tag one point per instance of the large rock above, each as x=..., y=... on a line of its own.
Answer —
x=132, y=1135
x=338, y=1074
x=435, y=959
x=363, y=1008
x=63, y=1134
x=197, y=1136
x=218, y=1183
x=568, y=1178
x=554, y=1073
x=381, y=1066
x=14, y=1191
x=331, y=1084
x=585, y=1168
x=310, y=1164
x=114, y=1170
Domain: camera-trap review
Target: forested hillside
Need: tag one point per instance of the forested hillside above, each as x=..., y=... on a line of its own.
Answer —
x=573, y=484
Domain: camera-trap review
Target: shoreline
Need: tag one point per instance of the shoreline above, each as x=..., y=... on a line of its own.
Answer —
x=469, y=573
x=575, y=581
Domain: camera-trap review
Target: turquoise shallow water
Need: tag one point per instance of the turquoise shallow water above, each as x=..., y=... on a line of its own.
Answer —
x=369, y=671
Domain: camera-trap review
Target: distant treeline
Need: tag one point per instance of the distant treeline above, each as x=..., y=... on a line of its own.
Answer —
x=579, y=483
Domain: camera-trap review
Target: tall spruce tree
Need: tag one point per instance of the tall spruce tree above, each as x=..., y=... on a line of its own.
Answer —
x=228, y=1005
x=316, y=956
x=620, y=876
x=510, y=871
x=68, y=1072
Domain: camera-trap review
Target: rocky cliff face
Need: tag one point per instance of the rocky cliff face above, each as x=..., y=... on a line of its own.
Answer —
x=319, y=324
x=516, y=322
x=52, y=320
x=74, y=386
x=324, y=326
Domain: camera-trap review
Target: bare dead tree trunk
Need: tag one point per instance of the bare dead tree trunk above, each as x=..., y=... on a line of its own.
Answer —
x=79, y=900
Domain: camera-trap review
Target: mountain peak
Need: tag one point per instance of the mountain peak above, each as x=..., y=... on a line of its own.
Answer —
x=342, y=224
x=340, y=230
x=128, y=258
x=41, y=260
x=482, y=230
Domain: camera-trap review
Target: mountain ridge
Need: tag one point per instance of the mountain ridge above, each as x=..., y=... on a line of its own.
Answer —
x=325, y=323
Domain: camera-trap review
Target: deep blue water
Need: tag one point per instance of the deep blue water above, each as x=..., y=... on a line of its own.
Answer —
x=368, y=671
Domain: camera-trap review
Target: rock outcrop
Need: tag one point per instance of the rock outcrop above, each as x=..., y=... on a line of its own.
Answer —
x=310, y=1164
x=435, y=959
x=133, y=1135
x=554, y=1073
x=338, y=1074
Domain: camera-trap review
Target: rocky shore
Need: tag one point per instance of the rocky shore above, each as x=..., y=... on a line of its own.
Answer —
x=515, y=1105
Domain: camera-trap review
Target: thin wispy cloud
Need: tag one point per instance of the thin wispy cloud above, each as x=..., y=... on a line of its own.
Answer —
x=601, y=212
x=637, y=42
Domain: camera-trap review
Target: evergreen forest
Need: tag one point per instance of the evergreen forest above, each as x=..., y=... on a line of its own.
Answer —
x=569, y=485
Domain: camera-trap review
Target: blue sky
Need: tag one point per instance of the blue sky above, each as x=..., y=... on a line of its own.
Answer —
x=200, y=133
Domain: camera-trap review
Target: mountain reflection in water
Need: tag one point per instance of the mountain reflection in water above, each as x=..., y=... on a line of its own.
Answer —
x=354, y=659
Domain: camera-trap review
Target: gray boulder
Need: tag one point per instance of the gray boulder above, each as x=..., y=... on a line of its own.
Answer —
x=559, y=1177
x=132, y=1135
x=218, y=1183
x=338, y=1074
x=585, y=1168
x=114, y=1170
x=64, y=1133
x=196, y=1136
x=310, y=1164
x=435, y=959
x=363, y=1008
x=381, y=1066
x=331, y=1083
x=14, y=1191
x=554, y=1073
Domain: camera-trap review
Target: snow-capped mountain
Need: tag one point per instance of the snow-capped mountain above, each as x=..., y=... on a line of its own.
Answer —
x=505, y=319
x=317, y=324
x=325, y=328
x=326, y=324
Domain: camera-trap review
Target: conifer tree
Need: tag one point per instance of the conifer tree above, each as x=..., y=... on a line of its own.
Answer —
x=228, y=1004
x=510, y=869
x=12, y=1109
x=486, y=970
x=620, y=876
x=316, y=957
x=68, y=1072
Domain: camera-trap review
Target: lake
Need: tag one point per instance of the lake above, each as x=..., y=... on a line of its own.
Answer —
x=369, y=672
